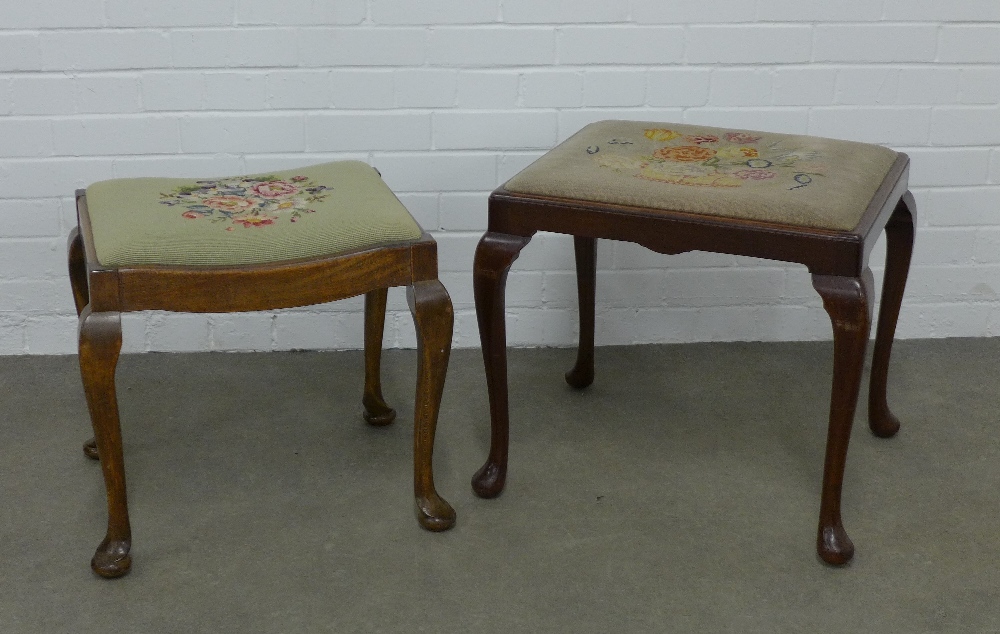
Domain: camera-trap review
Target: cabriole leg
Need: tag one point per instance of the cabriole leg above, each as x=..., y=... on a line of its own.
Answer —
x=434, y=318
x=100, y=343
x=376, y=410
x=494, y=256
x=899, y=247
x=582, y=373
x=847, y=301
x=81, y=297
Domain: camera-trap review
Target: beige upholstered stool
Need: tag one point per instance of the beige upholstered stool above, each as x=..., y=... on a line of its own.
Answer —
x=248, y=243
x=676, y=188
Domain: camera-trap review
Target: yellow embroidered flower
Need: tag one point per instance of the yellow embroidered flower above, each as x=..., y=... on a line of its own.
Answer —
x=685, y=153
x=229, y=203
x=733, y=152
x=659, y=134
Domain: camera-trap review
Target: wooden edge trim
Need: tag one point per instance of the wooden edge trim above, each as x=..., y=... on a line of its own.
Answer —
x=103, y=282
x=823, y=251
x=83, y=221
x=271, y=287
x=423, y=259
x=502, y=197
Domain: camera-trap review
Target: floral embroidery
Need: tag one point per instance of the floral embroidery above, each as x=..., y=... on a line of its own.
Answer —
x=661, y=135
x=684, y=153
x=698, y=139
x=276, y=189
x=704, y=160
x=248, y=201
x=686, y=174
x=755, y=175
x=228, y=203
x=802, y=180
x=741, y=137
x=735, y=152
x=256, y=221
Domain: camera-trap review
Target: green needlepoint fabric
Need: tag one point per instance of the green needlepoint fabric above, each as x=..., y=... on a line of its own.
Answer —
x=787, y=179
x=307, y=212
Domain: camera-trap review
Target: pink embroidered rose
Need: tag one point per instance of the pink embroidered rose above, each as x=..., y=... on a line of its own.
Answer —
x=254, y=221
x=698, y=139
x=755, y=175
x=741, y=137
x=229, y=203
x=274, y=189
x=263, y=203
x=684, y=153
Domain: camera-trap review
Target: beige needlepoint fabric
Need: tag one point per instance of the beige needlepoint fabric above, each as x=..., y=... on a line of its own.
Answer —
x=796, y=180
x=308, y=212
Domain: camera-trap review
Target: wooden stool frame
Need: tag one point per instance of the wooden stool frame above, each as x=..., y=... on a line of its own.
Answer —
x=837, y=260
x=102, y=293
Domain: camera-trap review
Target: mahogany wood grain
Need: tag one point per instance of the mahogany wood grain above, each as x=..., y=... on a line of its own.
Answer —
x=899, y=234
x=100, y=343
x=837, y=260
x=494, y=256
x=377, y=412
x=846, y=300
x=260, y=287
x=81, y=297
x=77, y=270
x=582, y=373
x=433, y=318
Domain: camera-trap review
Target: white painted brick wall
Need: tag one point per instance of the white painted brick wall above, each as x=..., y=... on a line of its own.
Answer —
x=449, y=99
x=616, y=44
x=296, y=12
x=487, y=89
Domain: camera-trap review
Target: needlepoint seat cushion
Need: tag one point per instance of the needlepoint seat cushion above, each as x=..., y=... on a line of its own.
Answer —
x=787, y=179
x=312, y=211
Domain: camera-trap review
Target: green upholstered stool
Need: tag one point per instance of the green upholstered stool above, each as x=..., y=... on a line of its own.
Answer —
x=308, y=212
x=247, y=243
x=675, y=188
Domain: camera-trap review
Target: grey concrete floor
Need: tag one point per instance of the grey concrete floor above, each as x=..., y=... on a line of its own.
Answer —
x=678, y=494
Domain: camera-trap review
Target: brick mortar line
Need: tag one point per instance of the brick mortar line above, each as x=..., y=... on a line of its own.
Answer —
x=500, y=25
